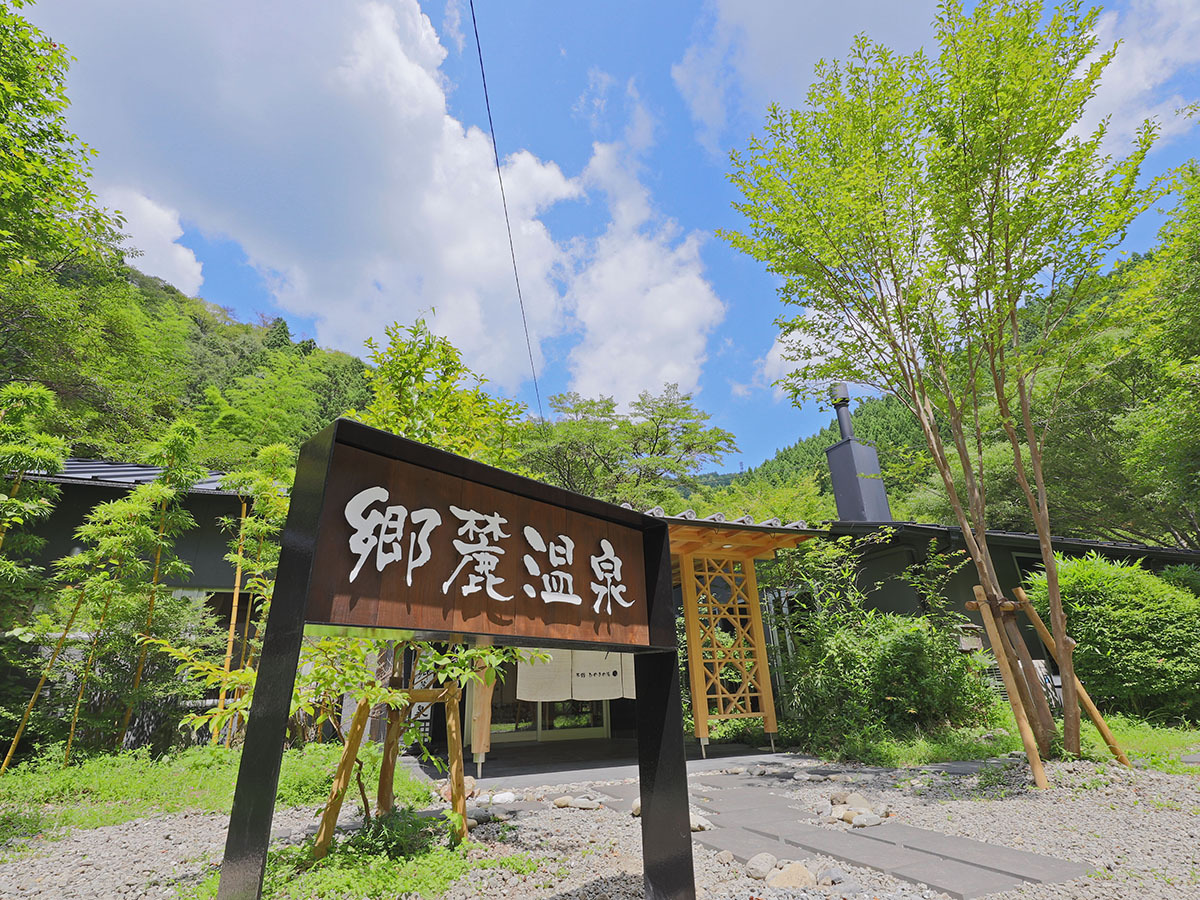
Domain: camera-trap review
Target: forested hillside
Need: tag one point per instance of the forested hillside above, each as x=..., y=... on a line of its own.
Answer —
x=126, y=353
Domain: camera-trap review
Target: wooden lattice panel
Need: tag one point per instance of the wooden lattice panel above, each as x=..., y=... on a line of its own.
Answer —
x=727, y=651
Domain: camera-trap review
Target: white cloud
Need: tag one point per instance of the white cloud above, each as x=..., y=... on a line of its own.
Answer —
x=750, y=53
x=318, y=138
x=640, y=293
x=1159, y=42
x=452, y=23
x=773, y=367
x=154, y=229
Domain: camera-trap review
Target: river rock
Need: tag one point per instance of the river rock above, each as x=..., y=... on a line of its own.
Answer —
x=760, y=866
x=793, y=875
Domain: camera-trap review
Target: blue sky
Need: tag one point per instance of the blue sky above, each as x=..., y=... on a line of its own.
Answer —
x=329, y=162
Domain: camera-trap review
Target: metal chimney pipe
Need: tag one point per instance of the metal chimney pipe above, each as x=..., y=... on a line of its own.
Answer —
x=840, y=395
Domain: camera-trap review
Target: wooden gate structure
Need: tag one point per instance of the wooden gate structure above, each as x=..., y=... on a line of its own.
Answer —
x=713, y=564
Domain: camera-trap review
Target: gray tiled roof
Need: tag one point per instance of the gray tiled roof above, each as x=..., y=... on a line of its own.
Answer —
x=121, y=474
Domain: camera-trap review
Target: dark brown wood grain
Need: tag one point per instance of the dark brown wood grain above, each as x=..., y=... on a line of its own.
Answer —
x=383, y=598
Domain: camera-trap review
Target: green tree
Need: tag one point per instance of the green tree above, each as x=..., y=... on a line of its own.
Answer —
x=796, y=500
x=642, y=457
x=422, y=390
x=48, y=214
x=917, y=205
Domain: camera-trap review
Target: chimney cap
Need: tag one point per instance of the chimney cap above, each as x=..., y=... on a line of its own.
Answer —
x=839, y=393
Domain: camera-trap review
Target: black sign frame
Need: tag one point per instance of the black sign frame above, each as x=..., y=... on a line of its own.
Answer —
x=666, y=831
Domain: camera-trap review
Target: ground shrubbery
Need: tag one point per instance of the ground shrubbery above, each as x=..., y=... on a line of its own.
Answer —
x=859, y=680
x=1138, y=636
x=854, y=681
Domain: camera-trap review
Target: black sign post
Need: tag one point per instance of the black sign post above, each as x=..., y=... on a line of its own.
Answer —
x=357, y=551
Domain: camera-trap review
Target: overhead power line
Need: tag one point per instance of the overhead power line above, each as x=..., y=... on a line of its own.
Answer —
x=507, y=222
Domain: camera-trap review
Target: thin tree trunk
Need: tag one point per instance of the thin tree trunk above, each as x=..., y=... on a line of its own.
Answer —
x=41, y=683
x=233, y=614
x=87, y=671
x=1043, y=719
x=141, y=663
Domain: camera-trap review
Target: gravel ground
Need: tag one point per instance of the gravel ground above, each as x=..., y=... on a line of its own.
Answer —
x=1140, y=830
x=596, y=855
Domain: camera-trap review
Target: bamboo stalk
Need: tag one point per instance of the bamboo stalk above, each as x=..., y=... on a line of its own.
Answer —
x=41, y=683
x=87, y=671
x=1010, y=682
x=233, y=613
x=341, y=780
x=1084, y=699
x=141, y=663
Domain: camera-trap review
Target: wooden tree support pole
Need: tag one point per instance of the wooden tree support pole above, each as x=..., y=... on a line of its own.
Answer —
x=454, y=745
x=1010, y=684
x=1045, y=727
x=1084, y=700
x=41, y=683
x=341, y=780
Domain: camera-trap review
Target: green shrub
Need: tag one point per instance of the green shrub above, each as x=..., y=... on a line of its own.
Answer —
x=1182, y=576
x=1138, y=636
x=884, y=675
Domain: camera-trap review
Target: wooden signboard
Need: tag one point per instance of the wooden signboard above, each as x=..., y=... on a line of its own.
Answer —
x=403, y=544
x=385, y=533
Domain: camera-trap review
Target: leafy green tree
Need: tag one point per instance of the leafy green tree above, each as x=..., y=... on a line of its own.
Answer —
x=48, y=214
x=422, y=390
x=796, y=500
x=917, y=205
x=24, y=449
x=642, y=457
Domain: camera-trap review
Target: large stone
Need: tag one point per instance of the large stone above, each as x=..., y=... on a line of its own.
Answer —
x=699, y=823
x=836, y=813
x=468, y=788
x=563, y=802
x=585, y=803
x=725, y=857
x=637, y=806
x=504, y=797
x=866, y=820
x=858, y=801
x=838, y=798
x=760, y=866
x=793, y=875
x=832, y=875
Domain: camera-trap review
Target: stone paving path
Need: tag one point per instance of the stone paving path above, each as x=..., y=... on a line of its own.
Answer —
x=749, y=817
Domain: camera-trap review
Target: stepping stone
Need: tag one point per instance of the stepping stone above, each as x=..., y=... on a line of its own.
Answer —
x=1192, y=759
x=619, y=791
x=960, y=880
x=741, y=843
x=1018, y=863
x=844, y=846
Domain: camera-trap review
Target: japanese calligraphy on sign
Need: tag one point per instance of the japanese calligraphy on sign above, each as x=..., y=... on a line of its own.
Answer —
x=377, y=529
x=407, y=542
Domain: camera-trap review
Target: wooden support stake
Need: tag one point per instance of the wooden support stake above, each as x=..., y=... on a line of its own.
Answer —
x=1046, y=729
x=341, y=780
x=1010, y=684
x=695, y=658
x=1084, y=700
x=1040, y=733
x=454, y=744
